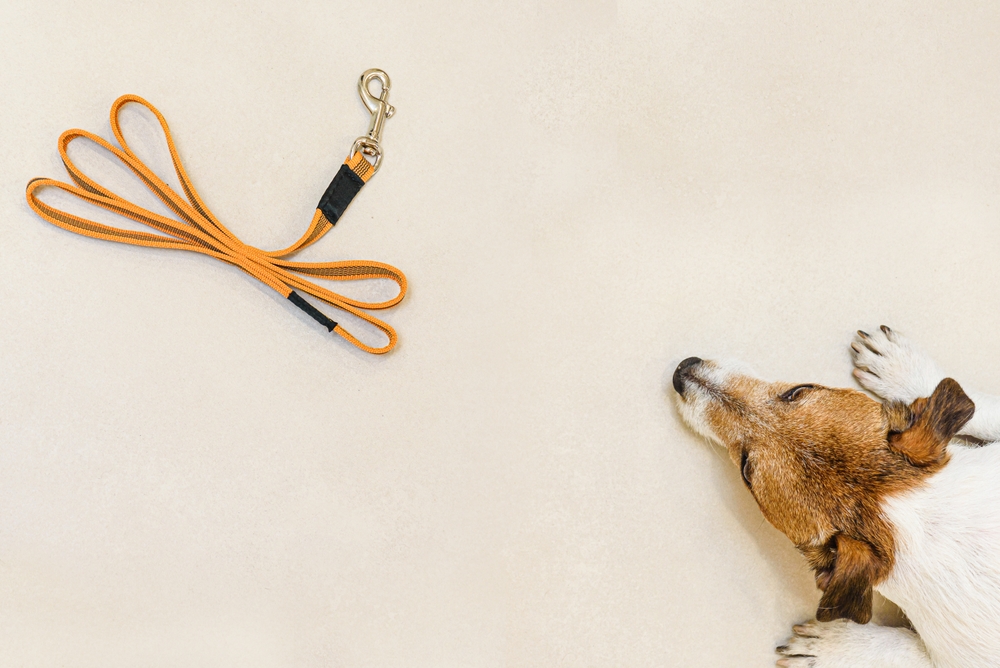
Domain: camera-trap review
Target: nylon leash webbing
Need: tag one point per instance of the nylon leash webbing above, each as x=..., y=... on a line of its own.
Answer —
x=199, y=231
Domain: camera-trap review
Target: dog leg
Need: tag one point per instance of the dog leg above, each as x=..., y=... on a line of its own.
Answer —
x=890, y=366
x=844, y=644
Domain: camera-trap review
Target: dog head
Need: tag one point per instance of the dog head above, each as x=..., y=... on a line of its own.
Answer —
x=820, y=460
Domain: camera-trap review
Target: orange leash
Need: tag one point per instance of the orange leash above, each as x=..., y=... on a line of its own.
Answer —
x=198, y=230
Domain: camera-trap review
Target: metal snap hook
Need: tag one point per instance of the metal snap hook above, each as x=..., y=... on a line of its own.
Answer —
x=373, y=102
x=380, y=110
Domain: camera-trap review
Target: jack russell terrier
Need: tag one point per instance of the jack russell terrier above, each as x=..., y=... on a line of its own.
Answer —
x=900, y=497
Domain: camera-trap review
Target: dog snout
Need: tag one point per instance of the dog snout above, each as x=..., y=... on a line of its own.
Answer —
x=683, y=371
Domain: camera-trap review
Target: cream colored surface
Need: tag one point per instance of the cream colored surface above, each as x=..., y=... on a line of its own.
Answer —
x=194, y=474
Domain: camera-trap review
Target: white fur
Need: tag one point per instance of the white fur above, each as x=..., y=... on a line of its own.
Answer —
x=947, y=572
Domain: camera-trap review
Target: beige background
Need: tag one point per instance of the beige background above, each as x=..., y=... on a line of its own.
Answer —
x=581, y=194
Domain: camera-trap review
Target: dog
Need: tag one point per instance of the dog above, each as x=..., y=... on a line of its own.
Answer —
x=900, y=496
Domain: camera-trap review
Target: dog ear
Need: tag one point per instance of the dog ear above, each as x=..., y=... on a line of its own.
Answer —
x=847, y=586
x=935, y=420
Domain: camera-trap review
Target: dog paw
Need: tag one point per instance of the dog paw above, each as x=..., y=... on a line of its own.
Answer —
x=844, y=644
x=888, y=365
x=815, y=645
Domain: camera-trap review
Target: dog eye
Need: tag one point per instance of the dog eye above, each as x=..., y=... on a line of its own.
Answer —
x=745, y=468
x=793, y=394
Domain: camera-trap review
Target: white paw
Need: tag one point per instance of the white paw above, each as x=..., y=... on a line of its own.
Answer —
x=888, y=365
x=817, y=645
x=844, y=644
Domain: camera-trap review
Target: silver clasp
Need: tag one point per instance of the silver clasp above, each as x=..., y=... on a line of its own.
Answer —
x=369, y=144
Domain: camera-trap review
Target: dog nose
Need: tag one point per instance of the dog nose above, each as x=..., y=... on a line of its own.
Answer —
x=682, y=370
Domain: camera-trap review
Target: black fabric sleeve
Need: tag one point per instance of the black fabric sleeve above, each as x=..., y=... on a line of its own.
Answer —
x=339, y=193
x=313, y=312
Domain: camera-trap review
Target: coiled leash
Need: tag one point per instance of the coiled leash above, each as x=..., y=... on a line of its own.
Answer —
x=199, y=231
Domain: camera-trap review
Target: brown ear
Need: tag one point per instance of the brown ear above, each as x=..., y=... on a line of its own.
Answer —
x=936, y=420
x=848, y=585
